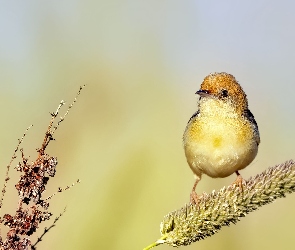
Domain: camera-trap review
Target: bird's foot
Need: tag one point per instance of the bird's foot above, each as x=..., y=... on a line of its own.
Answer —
x=238, y=182
x=194, y=199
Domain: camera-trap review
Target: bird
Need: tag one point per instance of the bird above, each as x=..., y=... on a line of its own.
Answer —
x=222, y=136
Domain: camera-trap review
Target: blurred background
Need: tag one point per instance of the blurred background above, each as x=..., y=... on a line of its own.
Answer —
x=142, y=62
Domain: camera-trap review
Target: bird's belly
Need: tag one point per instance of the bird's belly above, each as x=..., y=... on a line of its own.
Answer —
x=221, y=148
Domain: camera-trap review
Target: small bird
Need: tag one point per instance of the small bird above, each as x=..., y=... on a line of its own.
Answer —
x=222, y=137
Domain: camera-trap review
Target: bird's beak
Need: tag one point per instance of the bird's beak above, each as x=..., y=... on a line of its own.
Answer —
x=203, y=93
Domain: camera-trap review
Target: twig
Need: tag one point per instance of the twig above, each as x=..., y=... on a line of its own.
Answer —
x=34, y=176
x=62, y=189
x=9, y=165
x=195, y=222
x=33, y=247
x=68, y=110
x=156, y=243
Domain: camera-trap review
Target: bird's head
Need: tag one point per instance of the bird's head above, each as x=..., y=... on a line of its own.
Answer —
x=224, y=87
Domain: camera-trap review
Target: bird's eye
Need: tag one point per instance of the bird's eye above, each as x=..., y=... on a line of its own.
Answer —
x=224, y=93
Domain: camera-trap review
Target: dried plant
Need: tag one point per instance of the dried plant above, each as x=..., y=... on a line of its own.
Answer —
x=195, y=222
x=32, y=208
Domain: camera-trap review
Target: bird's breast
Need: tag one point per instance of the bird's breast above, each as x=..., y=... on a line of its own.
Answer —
x=219, y=145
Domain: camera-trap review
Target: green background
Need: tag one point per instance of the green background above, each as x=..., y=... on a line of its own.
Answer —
x=142, y=62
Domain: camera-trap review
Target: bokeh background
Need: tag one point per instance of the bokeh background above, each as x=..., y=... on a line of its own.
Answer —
x=142, y=62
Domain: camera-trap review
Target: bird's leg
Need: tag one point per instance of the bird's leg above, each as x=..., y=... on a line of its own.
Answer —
x=194, y=197
x=238, y=181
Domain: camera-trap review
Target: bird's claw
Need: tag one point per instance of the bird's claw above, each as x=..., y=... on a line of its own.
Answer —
x=194, y=199
x=239, y=182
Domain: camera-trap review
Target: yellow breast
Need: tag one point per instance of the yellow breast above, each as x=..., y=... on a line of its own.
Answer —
x=218, y=141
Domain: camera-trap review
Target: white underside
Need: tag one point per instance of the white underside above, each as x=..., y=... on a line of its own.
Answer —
x=223, y=160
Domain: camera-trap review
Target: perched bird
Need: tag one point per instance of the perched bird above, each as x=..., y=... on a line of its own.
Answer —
x=222, y=137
